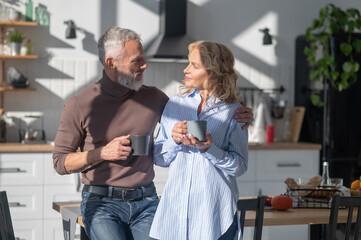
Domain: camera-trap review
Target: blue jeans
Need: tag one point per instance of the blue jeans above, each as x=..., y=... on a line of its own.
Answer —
x=114, y=219
x=232, y=230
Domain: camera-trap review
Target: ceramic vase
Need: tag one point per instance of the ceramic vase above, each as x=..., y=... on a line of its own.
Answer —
x=15, y=48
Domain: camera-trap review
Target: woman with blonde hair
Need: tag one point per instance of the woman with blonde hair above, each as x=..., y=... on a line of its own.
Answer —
x=200, y=197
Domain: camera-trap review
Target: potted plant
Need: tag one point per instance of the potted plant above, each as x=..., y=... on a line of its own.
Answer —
x=16, y=38
x=334, y=32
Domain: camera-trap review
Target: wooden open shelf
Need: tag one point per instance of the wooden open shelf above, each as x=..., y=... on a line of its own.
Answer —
x=5, y=87
x=11, y=88
x=18, y=23
x=18, y=56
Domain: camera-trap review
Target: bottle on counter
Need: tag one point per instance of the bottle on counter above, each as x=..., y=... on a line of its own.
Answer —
x=326, y=181
x=269, y=133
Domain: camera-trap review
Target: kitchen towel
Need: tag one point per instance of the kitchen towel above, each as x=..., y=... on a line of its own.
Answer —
x=257, y=132
x=70, y=216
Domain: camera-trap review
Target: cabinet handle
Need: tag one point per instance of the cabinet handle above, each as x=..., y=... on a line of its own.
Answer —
x=288, y=165
x=78, y=183
x=16, y=204
x=11, y=170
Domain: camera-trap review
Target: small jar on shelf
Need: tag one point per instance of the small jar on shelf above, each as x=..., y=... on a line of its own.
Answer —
x=3, y=12
x=5, y=45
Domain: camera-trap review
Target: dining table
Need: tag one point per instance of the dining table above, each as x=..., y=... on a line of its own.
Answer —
x=272, y=217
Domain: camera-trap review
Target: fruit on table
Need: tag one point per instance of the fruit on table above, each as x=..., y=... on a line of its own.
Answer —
x=281, y=202
x=356, y=184
x=267, y=201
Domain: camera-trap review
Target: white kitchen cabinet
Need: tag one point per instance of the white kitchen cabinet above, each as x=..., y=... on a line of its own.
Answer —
x=53, y=230
x=32, y=186
x=247, y=182
x=28, y=229
x=275, y=165
x=270, y=168
x=19, y=168
x=26, y=203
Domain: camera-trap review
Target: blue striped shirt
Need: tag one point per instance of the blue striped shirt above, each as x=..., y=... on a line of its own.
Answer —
x=200, y=196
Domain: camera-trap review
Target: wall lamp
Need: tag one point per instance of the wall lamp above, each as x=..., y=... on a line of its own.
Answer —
x=70, y=30
x=267, y=38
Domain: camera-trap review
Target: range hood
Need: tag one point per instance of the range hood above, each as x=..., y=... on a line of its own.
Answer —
x=172, y=41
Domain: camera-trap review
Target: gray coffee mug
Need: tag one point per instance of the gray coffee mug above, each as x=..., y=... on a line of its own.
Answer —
x=198, y=129
x=140, y=144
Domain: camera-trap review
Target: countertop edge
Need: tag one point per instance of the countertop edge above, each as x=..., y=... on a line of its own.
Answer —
x=18, y=147
x=286, y=146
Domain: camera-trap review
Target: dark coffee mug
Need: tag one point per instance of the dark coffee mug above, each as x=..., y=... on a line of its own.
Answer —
x=140, y=144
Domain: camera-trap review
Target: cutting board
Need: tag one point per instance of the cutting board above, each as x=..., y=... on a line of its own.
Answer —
x=296, y=120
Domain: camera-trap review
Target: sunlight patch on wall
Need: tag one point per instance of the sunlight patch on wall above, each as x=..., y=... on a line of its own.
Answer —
x=199, y=2
x=143, y=19
x=254, y=76
x=250, y=40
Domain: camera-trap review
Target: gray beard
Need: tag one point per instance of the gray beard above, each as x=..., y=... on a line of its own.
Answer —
x=130, y=82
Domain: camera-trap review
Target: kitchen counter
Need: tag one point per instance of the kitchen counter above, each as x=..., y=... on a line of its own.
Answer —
x=18, y=147
x=285, y=146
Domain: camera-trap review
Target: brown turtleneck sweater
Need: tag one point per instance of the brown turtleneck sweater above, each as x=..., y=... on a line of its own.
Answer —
x=96, y=116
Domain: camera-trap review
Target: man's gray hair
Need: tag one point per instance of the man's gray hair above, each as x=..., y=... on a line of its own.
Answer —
x=112, y=42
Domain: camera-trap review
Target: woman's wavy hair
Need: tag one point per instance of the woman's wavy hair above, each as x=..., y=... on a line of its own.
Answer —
x=218, y=61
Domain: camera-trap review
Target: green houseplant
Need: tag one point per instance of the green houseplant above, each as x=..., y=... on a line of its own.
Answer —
x=333, y=22
x=16, y=38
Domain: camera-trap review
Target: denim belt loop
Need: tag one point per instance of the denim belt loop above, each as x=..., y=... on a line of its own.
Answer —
x=110, y=192
x=143, y=192
x=123, y=195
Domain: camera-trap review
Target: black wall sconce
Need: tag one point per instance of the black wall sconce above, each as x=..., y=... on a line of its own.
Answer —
x=267, y=38
x=70, y=30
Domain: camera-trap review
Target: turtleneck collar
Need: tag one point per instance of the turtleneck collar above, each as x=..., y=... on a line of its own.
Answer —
x=113, y=88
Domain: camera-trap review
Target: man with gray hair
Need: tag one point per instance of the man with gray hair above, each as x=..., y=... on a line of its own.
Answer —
x=119, y=198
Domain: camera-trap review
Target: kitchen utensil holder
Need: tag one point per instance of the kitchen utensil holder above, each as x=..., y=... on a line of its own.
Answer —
x=32, y=133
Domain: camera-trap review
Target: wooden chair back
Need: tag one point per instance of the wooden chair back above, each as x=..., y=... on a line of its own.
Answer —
x=350, y=203
x=256, y=204
x=6, y=226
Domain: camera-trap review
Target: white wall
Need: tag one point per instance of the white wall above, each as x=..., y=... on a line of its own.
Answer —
x=65, y=66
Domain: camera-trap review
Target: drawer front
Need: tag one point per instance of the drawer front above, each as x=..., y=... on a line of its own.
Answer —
x=53, y=230
x=57, y=193
x=278, y=165
x=28, y=229
x=25, y=202
x=21, y=168
x=294, y=232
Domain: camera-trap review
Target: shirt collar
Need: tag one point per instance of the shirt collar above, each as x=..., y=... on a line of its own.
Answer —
x=210, y=101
